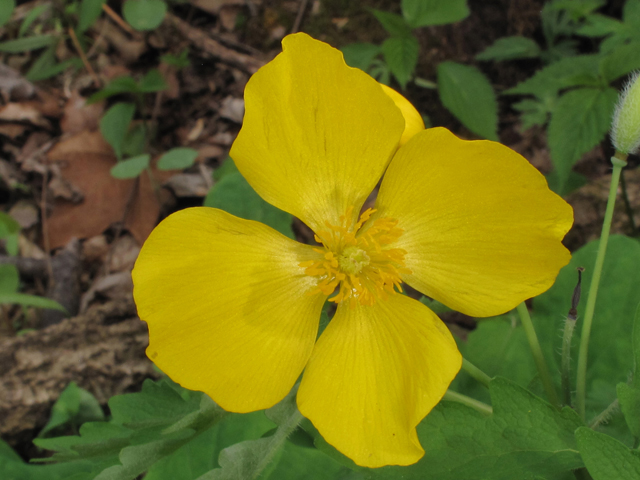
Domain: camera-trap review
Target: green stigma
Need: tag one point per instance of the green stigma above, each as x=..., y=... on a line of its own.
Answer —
x=352, y=260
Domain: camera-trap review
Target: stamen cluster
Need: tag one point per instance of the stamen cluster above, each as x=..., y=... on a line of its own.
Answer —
x=359, y=261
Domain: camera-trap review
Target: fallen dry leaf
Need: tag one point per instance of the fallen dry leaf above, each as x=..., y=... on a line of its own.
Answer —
x=24, y=112
x=78, y=116
x=214, y=6
x=85, y=160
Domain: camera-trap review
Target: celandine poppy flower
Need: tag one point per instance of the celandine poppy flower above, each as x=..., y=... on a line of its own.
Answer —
x=233, y=306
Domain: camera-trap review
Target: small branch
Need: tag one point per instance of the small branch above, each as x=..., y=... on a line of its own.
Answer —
x=76, y=44
x=118, y=20
x=298, y=21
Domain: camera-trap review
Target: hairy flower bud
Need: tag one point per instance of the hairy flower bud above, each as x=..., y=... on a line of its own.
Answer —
x=625, y=131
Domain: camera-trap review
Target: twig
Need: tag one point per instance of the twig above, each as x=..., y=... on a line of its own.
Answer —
x=117, y=19
x=45, y=223
x=203, y=41
x=127, y=209
x=76, y=43
x=627, y=204
x=298, y=21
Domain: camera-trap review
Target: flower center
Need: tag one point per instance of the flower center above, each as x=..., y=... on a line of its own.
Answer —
x=360, y=261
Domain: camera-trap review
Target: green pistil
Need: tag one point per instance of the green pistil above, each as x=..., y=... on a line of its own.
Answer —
x=352, y=260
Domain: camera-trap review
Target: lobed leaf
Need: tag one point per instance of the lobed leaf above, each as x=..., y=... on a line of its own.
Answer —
x=394, y=24
x=401, y=55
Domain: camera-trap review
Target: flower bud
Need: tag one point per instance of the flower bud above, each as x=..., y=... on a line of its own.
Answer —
x=625, y=131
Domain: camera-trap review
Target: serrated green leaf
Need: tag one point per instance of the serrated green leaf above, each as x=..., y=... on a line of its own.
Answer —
x=394, y=24
x=27, y=44
x=9, y=279
x=30, y=301
x=606, y=458
x=177, y=159
x=152, y=82
x=124, y=84
x=422, y=13
x=629, y=399
x=620, y=61
x=131, y=167
x=532, y=112
x=234, y=195
x=6, y=10
x=509, y=48
x=31, y=17
x=525, y=437
x=579, y=122
x=360, y=55
x=114, y=125
x=597, y=25
x=568, y=72
x=90, y=10
x=631, y=13
x=467, y=93
x=144, y=14
x=401, y=55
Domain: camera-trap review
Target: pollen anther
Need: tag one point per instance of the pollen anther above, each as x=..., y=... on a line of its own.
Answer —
x=358, y=259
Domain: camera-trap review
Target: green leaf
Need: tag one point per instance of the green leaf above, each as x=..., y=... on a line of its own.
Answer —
x=392, y=23
x=152, y=82
x=27, y=44
x=31, y=17
x=90, y=10
x=9, y=279
x=74, y=406
x=200, y=455
x=568, y=72
x=131, y=167
x=620, y=61
x=177, y=159
x=42, y=72
x=629, y=398
x=30, y=301
x=178, y=61
x=579, y=122
x=124, y=84
x=9, y=231
x=422, y=13
x=360, y=55
x=509, y=48
x=135, y=141
x=606, y=458
x=227, y=167
x=144, y=14
x=6, y=10
x=467, y=93
x=401, y=54
x=525, y=437
x=597, y=25
x=114, y=125
x=635, y=335
x=233, y=194
x=532, y=112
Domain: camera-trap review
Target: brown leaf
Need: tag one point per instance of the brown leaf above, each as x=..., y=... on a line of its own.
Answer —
x=79, y=116
x=85, y=160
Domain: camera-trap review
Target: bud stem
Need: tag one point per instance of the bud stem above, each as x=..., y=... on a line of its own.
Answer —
x=619, y=160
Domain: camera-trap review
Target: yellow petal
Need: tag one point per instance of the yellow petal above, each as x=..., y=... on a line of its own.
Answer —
x=413, y=122
x=375, y=373
x=227, y=307
x=482, y=230
x=317, y=135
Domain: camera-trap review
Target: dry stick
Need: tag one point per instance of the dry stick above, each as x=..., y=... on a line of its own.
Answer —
x=76, y=43
x=45, y=230
x=298, y=21
x=127, y=209
x=116, y=18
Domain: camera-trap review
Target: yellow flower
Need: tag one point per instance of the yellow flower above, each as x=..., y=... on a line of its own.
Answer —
x=233, y=306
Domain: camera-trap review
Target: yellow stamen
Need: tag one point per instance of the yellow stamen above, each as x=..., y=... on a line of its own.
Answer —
x=360, y=262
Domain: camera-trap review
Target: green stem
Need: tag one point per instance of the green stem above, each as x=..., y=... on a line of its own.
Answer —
x=569, y=326
x=536, y=351
x=475, y=372
x=605, y=415
x=468, y=401
x=618, y=161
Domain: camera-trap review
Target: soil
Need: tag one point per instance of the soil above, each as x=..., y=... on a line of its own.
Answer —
x=102, y=346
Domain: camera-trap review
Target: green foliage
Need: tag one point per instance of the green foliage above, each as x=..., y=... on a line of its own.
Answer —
x=27, y=44
x=9, y=279
x=144, y=14
x=6, y=9
x=177, y=159
x=579, y=122
x=510, y=48
x=9, y=231
x=179, y=61
x=131, y=167
x=31, y=17
x=466, y=92
x=74, y=407
x=90, y=10
x=394, y=24
x=233, y=194
x=360, y=55
x=606, y=458
x=401, y=55
x=151, y=82
x=114, y=125
x=423, y=13
x=629, y=398
x=524, y=438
